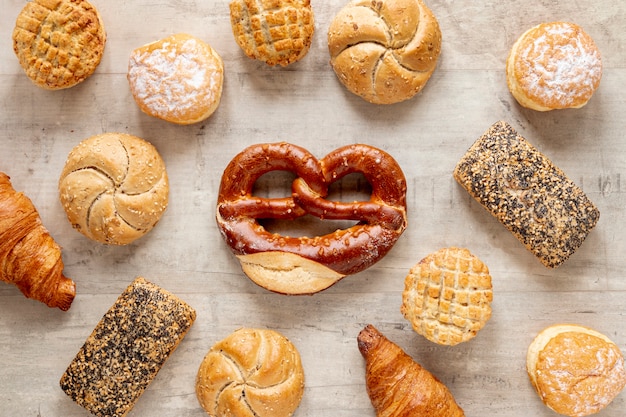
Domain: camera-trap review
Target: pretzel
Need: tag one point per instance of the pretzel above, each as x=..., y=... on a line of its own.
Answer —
x=306, y=265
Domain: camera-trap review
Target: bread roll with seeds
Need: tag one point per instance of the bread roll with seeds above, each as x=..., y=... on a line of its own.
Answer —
x=534, y=199
x=114, y=188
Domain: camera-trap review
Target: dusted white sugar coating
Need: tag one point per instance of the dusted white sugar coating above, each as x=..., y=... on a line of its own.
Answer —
x=176, y=79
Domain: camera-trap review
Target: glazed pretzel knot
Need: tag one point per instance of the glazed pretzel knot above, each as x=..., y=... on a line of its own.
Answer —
x=305, y=265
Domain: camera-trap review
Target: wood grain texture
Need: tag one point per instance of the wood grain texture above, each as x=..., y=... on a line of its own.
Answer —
x=305, y=104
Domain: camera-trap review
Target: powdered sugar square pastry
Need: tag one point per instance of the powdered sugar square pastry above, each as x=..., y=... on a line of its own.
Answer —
x=447, y=296
x=114, y=188
x=178, y=79
x=59, y=43
x=554, y=65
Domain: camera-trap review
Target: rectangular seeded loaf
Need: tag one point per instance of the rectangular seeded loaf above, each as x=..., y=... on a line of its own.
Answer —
x=527, y=193
x=126, y=349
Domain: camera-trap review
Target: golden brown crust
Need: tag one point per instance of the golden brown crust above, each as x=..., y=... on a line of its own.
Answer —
x=277, y=32
x=251, y=372
x=59, y=43
x=447, y=296
x=527, y=193
x=114, y=188
x=29, y=257
x=397, y=385
x=126, y=349
x=576, y=370
x=384, y=51
x=554, y=65
x=381, y=220
x=178, y=79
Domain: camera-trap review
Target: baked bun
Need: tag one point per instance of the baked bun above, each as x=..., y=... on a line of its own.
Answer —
x=384, y=51
x=114, y=188
x=277, y=32
x=575, y=370
x=252, y=372
x=553, y=66
x=59, y=43
x=447, y=296
x=178, y=79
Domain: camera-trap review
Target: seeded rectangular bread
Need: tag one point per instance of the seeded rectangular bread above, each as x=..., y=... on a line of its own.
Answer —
x=527, y=193
x=126, y=349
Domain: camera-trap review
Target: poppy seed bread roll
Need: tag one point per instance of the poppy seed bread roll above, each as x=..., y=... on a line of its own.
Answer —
x=527, y=193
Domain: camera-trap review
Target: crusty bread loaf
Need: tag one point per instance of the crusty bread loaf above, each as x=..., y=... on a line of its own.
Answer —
x=252, y=372
x=178, y=79
x=447, y=296
x=277, y=32
x=384, y=51
x=527, y=193
x=126, y=349
x=114, y=188
x=576, y=370
x=553, y=65
x=59, y=43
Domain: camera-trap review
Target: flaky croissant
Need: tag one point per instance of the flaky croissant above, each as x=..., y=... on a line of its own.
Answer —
x=397, y=385
x=29, y=256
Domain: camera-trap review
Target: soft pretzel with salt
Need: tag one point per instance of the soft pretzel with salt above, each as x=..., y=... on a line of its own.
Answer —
x=306, y=265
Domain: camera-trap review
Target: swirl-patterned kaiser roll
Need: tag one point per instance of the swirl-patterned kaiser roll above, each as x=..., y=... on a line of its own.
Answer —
x=59, y=43
x=114, y=188
x=252, y=372
x=384, y=51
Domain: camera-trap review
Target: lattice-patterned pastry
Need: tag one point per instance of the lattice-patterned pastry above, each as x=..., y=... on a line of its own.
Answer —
x=59, y=43
x=277, y=32
x=447, y=296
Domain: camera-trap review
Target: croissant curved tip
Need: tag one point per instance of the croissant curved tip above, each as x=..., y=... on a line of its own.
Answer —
x=66, y=291
x=368, y=338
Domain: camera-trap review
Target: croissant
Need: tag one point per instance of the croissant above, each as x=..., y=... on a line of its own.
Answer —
x=397, y=385
x=29, y=256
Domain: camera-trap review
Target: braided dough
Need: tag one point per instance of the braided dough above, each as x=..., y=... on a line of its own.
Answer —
x=178, y=79
x=277, y=32
x=576, y=370
x=384, y=51
x=252, y=372
x=59, y=43
x=447, y=296
x=305, y=265
x=114, y=188
x=553, y=66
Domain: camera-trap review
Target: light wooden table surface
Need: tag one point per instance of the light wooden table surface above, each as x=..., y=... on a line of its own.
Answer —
x=305, y=104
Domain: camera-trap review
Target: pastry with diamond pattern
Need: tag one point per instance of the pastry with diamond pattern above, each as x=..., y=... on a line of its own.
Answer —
x=277, y=32
x=447, y=296
x=59, y=43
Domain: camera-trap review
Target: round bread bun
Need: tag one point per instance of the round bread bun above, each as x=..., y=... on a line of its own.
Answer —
x=59, y=43
x=447, y=296
x=252, y=372
x=384, y=51
x=114, y=188
x=277, y=32
x=575, y=370
x=178, y=79
x=553, y=66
